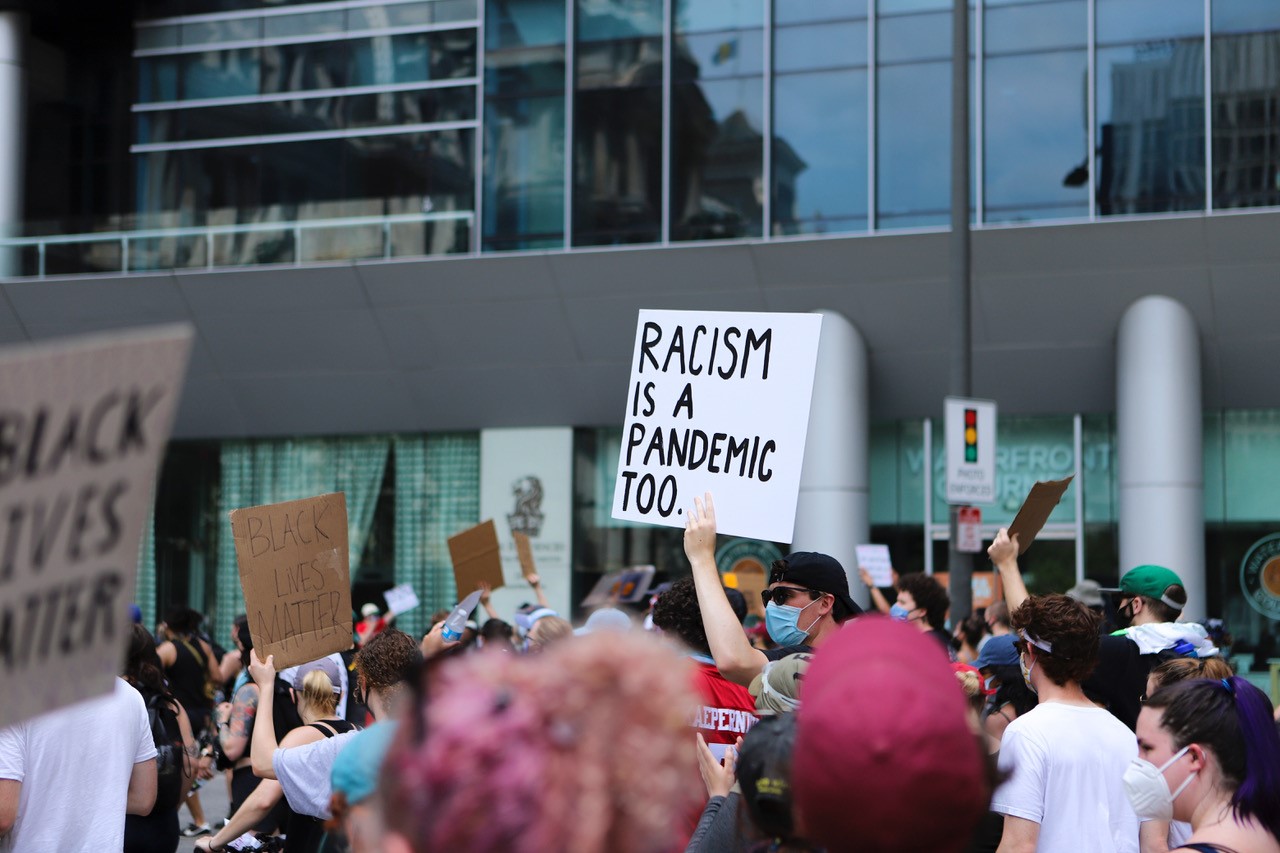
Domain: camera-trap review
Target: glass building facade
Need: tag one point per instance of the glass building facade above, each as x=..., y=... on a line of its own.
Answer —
x=273, y=132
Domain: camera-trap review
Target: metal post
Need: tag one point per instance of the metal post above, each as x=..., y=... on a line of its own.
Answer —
x=960, y=566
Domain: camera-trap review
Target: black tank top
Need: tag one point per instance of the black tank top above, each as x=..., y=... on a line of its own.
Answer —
x=187, y=677
x=304, y=832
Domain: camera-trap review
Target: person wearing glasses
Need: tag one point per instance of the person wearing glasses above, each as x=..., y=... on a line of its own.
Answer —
x=1066, y=757
x=806, y=601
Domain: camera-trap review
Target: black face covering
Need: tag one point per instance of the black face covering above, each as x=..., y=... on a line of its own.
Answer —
x=1124, y=615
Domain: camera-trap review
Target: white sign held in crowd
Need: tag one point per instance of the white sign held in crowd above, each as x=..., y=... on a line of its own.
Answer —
x=875, y=559
x=718, y=402
x=970, y=436
x=83, y=426
x=401, y=599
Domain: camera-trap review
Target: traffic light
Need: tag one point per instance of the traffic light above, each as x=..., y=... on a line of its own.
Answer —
x=970, y=435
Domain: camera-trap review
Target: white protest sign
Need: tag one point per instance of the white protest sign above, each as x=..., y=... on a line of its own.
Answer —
x=83, y=426
x=718, y=402
x=875, y=559
x=970, y=436
x=401, y=599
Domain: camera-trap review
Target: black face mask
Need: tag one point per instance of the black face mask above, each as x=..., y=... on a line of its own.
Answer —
x=1124, y=615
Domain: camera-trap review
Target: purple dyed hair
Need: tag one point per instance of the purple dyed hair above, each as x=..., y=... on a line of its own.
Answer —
x=1233, y=719
x=581, y=748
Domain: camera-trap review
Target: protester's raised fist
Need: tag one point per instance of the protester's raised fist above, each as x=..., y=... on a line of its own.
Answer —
x=485, y=590
x=533, y=580
x=1004, y=548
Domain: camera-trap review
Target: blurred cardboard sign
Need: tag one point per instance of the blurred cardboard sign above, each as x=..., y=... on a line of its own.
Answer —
x=625, y=586
x=83, y=427
x=1035, y=511
x=401, y=599
x=524, y=553
x=875, y=559
x=985, y=588
x=476, y=558
x=294, y=569
x=969, y=530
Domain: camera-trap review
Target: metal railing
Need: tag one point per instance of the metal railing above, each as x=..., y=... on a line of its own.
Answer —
x=209, y=233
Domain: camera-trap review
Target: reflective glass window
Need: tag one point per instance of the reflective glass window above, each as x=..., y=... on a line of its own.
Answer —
x=717, y=120
x=310, y=23
x=217, y=30
x=810, y=11
x=308, y=115
x=1120, y=21
x=158, y=78
x=524, y=127
x=168, y=35
x=820, y=152
x=913, y=129
x=838, y=44
x=711, y=15
x=220, y=73
x=1035, y=26
x=617, y=127
x=914, y=38
x=609, y=20
x=409, y=58
x=523, y=23
x=1246, y=103
x=1150, y=106
x=1036, y=141
x=897, y=7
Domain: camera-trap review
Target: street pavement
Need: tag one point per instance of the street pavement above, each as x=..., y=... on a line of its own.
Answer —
x=215, y=799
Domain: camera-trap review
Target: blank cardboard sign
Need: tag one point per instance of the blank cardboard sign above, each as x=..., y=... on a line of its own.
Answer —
x=524, y=552
x=84, y=424
x=296, y=578
x=1035, y=511
x=476, y=558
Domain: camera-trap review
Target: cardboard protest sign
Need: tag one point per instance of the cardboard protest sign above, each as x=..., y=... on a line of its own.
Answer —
x=294, y=569
x=476, y=558
x=401, y=599
x=875, y=559
x=718, y=402
x=1044, y=496
x=83, y=426
x=524, y=552
x=625, y=586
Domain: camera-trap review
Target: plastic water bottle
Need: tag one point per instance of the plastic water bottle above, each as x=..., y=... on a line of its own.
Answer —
x=457, y=621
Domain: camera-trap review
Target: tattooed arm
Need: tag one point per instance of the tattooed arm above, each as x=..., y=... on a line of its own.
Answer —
x=233, y=736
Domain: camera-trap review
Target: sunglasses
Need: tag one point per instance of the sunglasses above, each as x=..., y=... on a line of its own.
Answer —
x=782, y=594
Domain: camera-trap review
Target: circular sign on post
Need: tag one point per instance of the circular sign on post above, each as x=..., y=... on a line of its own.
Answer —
x=1260, y=576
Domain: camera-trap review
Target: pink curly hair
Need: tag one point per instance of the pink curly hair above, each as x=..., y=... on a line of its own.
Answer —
x=583, y=748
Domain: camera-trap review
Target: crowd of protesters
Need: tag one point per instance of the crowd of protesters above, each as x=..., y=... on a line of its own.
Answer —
x=1029, y=726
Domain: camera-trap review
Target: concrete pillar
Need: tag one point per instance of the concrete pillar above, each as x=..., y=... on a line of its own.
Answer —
x=1159, y=452
x=13, y=36
x=832, y=513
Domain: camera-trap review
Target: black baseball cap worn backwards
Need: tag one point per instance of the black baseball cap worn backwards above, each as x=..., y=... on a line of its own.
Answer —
x=820, y=572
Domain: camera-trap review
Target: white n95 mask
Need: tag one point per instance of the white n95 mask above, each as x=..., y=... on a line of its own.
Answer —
x=1148, y=790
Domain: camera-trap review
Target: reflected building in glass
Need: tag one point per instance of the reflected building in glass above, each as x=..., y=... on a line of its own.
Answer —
x=414, y=220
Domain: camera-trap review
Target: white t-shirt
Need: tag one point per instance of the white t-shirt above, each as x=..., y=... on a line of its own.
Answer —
x=304, y=772
x=1068, y=764
x=74, y=765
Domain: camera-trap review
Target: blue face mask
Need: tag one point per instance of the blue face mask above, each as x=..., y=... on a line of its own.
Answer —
x=781, y=623
x=897, y=611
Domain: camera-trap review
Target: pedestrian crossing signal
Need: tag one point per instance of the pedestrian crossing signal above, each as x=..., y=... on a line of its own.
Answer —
x=970, y=435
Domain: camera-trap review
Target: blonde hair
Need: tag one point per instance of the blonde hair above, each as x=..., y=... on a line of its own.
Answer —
x=319, y=693
x=548, y=630
x=1181, y=669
